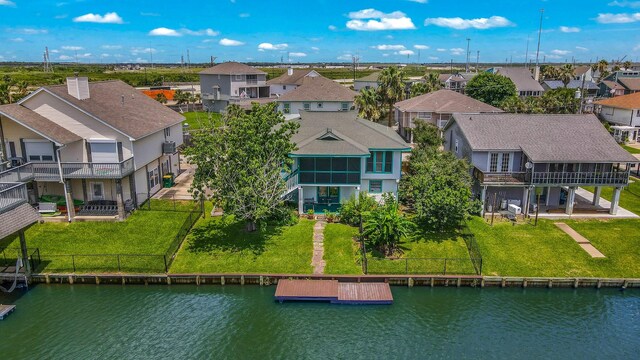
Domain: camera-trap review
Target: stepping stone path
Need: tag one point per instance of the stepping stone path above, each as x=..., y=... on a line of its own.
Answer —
x=581, y=240
x=318, y=247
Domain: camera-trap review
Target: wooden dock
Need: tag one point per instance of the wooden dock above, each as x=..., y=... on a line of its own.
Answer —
x=5, y=310
x=334, y=292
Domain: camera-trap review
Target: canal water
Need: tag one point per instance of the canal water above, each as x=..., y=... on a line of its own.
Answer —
x=215, y=322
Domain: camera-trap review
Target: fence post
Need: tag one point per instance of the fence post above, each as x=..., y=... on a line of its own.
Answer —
x=166, y=268
x=118, y=256
x=406, y=266
x=73, y=261
x=445, y=267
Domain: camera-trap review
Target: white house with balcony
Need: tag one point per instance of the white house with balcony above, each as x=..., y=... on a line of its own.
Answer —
x=90, y=143
x=526, y=160
x=289, y=81
x=339, y=155
x=317, y=93
x=232, y=82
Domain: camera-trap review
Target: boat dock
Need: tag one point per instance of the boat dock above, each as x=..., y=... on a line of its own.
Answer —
x=334, y=292
x=5, y=310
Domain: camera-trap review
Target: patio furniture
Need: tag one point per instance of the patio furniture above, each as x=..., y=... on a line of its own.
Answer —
x=47, y=207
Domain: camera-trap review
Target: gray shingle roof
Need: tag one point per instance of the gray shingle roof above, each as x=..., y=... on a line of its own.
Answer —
x=38, y=123
x=319, y=89
x=444, y=101
x=543, y=138
x=521, y=77
x=355, y=136
x=16, y=219
x=137, y=116
x=296, y=78
x=573, y=84
x=231, y=68
x=369, y=78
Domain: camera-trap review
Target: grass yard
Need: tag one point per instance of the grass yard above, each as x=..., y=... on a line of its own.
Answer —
x=632, y=150
x=198, y=119
x=143, y=233
x=340, y=250
x=629, y=197
x=221, y=245
x=544, y=250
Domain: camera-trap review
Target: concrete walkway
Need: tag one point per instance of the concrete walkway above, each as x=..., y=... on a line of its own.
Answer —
x=583, y=200
x=317, y=261
x=180, y=191
x=581, y=240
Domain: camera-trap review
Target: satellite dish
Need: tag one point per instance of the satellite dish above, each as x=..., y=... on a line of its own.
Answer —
x=528, y=165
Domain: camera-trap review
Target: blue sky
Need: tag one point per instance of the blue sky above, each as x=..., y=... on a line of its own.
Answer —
x=317, y=30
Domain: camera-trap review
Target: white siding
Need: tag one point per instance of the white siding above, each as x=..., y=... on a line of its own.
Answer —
x=296, y=106
x=620, y=116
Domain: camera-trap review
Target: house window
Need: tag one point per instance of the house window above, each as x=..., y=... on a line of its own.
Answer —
x=344, y=106
x=380, y=162
x=306, y=106
x=284, y=87
x=319, y=105
x=499, y=162
x=638, y=113
x=287, y=108
x=97, y=191
x=154, y=178
x=326, y=170
x=167, y=132
x=424, y=115
x=493, y=164
x=375, y=186
x=505, y=162
x=238, y=77
x=456, y=146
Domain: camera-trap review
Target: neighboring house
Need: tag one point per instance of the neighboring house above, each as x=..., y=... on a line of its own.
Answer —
x=231, y=82
x=368, y=82
x=289, y=81
x=623, y=112
x=436, y=108
x=317, y=94
x=526, y=85
x=456, y=82
x=339, y=155
x=100, y=141
x=620, y=83
x=588, y=88
x=583, y=72
x=516, y=156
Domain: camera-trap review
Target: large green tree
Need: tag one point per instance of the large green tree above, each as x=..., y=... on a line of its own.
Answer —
x=566, y=74
x=240, y=163
x=367, y=104
x=386, y=226
x=391, y=88
x=490, y=88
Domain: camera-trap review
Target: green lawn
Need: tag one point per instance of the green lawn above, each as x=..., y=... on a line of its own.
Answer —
x=198, y=119
x=632, y=150
x=629, y=198
x=221, y=245
x=143, y=233
x=341, y=250
x=544, y=250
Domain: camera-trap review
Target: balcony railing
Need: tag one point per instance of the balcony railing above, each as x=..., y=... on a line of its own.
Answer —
x=580, y=178
x=12, y=195
x=22, y=173
x=499, y=178
x=291, y=181
x=70, y=170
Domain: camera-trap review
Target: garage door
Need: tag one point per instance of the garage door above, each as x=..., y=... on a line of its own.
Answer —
x=38, y=150
x=104, y=152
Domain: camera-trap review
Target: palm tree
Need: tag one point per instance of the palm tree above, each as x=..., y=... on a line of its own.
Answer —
x=386, y=226
x=161, y=98
x=566, y=73
x=367, y=104
x=433, y=81
x=391, y=88
x=627, y=65
x=550, y=72
x=418, y=89
x=601, y=67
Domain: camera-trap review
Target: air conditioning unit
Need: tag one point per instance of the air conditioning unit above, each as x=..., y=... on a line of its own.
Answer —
x=168, y=147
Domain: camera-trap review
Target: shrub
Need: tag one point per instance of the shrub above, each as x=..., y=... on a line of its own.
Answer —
x=351, y=209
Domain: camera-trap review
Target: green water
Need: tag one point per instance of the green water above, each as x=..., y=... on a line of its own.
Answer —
x=213, y=322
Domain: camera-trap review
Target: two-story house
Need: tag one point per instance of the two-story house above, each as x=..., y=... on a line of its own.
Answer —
x=587, y=89
x=367, y=82
x=516, y=157
x=620, y=83
x=455, y=82
x=289, y=81
x=436, y=108
x=231, y=82
x=623, y=113
x=338, y=155
x=317, y=93
x=526, y=85
x=90, y=142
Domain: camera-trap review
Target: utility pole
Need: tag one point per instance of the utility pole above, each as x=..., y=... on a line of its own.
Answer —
x=537, y=70
x=526, y=54
x=355, y=59
x=188, y=60
x=477, y=61
x=468, y=54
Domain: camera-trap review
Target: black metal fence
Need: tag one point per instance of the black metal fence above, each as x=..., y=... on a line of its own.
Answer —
x=444, y=266
x=194, y=214
x=472, y=247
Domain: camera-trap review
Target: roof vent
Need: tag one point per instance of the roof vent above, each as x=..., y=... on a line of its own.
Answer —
x=329, y=135
x=78, y=87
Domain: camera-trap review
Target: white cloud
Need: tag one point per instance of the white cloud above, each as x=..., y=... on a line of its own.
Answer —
x=135, y=51
x=7, y=3
x=111, y=47
x=104, y=55
x=332, y=27
x=385, y=55
x=65, y=57
x=315, y=48
x=560, y=52
x=637, y=48
x=18, y=39
x=629, y=4
x=374, y=20
x=207, y=32
x=433, y=58
x=297, y=54
x=163, y=31
x=618, y=18
x=389, y=47
x=230, y=42
x=345, y=57
x=457, y=51
x=404, y=52
x=270, y=46
x=569, y=29
x=419, y=1
x=108, y=18
x=31, y=31
x=582, y=48
x=244, y=15
x=63, y=16
x=461, y=24
x=441, y=49
x=420, y=47
x=72, y=48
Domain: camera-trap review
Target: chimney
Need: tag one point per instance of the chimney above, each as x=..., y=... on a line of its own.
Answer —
x=78, y=87
x=290, y=71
